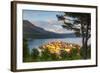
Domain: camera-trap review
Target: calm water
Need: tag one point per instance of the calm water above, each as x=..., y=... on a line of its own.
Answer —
x=35, y=43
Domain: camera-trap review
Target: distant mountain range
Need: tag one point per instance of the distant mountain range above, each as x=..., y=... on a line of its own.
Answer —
x=30, y=30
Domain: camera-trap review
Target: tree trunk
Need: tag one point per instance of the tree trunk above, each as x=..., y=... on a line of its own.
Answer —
x=85, y=48
x=85, y=42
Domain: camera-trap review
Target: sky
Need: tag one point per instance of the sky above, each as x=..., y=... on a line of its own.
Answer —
x=33, y=15
x=46, y=20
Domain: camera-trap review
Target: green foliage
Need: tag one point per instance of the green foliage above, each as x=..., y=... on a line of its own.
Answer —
x=88, y=54
x=25, y=49
x=64, y=55
x=74, y=51
x=35, y=53
x=45, y=56
x=75, y=54
x=71, y=56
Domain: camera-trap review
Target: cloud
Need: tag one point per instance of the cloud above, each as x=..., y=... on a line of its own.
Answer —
x=52, y=26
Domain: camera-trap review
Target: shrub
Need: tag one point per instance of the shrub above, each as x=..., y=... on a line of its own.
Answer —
x=25, y=50
x=35, y=54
